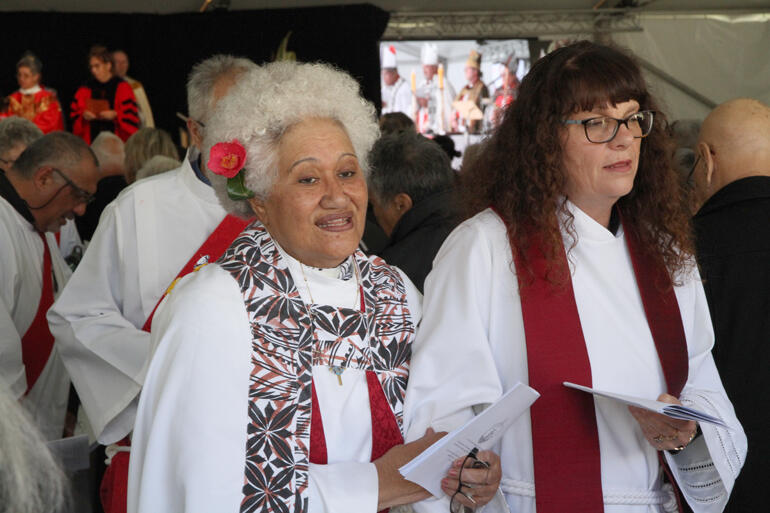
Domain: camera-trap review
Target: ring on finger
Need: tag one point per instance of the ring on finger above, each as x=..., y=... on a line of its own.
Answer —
x=659, y=439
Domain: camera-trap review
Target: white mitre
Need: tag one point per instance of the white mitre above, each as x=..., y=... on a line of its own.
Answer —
x=429, y=54
x=388, y=58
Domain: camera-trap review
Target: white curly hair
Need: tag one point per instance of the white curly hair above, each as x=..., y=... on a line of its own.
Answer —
x=269, y=100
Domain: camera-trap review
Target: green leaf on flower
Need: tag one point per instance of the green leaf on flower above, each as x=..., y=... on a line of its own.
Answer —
x=237, y=190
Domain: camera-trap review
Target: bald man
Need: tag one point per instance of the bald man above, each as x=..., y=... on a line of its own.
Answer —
x=732, y=182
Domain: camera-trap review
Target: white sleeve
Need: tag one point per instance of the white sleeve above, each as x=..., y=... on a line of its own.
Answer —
x=11, y=363
x=104, y=352
x=348, y=487
x=707, y=469
x=452, y=343
x=188, y=451
x=453, y=338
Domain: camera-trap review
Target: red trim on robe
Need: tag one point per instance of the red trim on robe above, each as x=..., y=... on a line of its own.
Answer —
x=37, y=342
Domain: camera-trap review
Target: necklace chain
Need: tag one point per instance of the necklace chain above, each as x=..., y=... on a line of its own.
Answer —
x=334, y=369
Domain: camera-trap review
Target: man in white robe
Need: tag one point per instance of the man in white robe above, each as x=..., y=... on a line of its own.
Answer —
x=49, y=183
x=472, y=312
x=435, y=114
x=15, y=135
x=142, y=241
x=396, y=93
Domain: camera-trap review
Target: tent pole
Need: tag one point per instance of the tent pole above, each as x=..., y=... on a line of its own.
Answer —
x=676, y=83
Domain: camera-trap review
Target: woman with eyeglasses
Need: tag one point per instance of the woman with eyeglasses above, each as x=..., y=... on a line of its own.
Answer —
x=578, y=266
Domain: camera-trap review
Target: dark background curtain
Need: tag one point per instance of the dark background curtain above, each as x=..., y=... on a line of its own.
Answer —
x=163, y=48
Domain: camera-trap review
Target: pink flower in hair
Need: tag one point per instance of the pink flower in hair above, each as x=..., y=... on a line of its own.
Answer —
x=227, y=159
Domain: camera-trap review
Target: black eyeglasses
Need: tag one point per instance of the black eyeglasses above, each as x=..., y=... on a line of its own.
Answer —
x=455, y=506
x=603, y=129
x=81, y=194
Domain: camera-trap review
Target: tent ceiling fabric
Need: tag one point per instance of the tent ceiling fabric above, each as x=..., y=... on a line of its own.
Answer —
x=175, y=6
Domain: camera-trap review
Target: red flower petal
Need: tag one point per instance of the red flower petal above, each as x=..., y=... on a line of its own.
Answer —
x=227, y=159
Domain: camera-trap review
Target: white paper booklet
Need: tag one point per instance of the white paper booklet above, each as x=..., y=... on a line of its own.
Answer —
x=482, y=431
x=675, y=411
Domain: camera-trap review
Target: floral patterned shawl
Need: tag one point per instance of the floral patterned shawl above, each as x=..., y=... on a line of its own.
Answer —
x=285, y=347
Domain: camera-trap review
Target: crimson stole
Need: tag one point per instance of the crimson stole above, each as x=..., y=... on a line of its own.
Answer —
x=37, y=342
x=114, y=487
x=385, y=431
x=565, y=440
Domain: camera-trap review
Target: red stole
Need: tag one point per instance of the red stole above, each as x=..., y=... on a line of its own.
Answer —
x=385, y=431
x=37, y=342
x=113, y=490
x=565, y=440
x=219, y=240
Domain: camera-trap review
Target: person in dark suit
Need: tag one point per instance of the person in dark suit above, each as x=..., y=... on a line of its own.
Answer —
x=410, y=188
x=731, y=177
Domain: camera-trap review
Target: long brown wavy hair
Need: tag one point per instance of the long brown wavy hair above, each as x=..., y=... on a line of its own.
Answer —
x=520, y=172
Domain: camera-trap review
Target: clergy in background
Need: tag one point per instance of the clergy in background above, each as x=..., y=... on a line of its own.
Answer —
x=473, y=92
x=120, y=58
x=433, y=97
x=578, y=266
x=32, y=101
x=396, y=93
x=50, y=182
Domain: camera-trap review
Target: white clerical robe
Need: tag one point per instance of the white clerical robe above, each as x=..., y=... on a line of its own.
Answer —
x=21, y=285
x=472, y=313
x=143, y=240
x=189, y=445
x=429, y=89
x=397, y=98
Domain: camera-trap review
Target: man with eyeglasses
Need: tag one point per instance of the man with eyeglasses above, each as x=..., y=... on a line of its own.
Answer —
x=15, y=135
x=48, y=184
x=732, y=234
x=158, y=229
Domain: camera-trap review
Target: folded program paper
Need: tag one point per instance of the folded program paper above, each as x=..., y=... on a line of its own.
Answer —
x=675, y=411
x=482, y=431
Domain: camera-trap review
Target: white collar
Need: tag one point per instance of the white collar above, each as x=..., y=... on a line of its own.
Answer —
x=586, y=226
x=32, y=90
x=192, y=182
x=342, y=272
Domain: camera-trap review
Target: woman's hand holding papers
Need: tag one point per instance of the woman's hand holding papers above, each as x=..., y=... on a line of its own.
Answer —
x=663, y=432
x=394, y=490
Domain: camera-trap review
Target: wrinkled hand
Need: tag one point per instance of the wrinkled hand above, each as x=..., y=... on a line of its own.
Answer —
x=109, y=115
x=664, y=433
x=394, y=490
x=480, y=484
x=88, y=115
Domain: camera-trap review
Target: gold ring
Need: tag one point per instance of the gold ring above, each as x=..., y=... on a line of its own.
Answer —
x=658, y=439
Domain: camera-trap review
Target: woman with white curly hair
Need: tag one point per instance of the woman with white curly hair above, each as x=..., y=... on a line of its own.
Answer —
x=280, y=372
